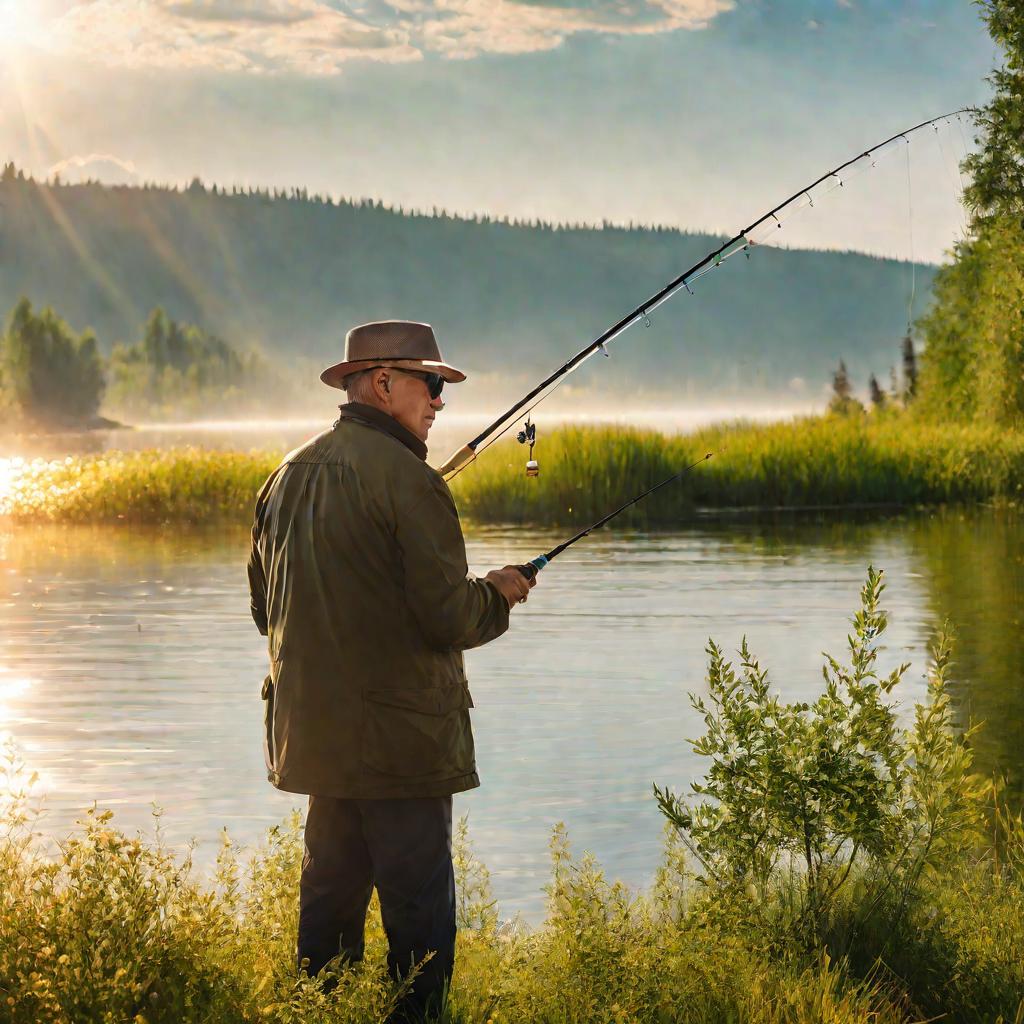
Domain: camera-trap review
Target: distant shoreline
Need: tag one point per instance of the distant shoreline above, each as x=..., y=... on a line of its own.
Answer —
x=886, y=460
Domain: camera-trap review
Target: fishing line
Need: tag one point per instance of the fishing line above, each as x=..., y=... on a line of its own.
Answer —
x=742, y=241
x=508, y=426
x=534, y=566
x=913, y=265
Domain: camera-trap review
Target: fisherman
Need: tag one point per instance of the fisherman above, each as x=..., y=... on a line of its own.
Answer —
x=358, y=578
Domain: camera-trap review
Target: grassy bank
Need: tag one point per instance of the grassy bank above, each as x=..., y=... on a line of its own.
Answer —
x=585, y=471
x=115, y=929
x=909, y=908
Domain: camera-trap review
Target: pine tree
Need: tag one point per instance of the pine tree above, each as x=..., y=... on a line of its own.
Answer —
x=843, y=402
x=53, y=377
x=997, y=169
x=909, y=369
x=878, y=399
x=973, y=360
x=841, y=386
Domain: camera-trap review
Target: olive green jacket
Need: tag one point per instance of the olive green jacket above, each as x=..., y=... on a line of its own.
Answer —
x=358, y=578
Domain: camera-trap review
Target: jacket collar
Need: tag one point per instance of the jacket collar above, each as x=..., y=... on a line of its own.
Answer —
x=387, y=424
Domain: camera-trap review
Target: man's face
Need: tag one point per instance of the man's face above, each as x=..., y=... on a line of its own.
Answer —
x=412, y=405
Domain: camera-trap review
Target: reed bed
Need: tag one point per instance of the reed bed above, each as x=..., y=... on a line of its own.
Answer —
x=823, y=461
x=178, y=485
x=812, y=462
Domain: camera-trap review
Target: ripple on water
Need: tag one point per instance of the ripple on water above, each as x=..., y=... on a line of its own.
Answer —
x=130, y=670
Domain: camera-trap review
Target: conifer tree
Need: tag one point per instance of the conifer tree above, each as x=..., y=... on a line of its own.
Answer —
x=909, y=369
x=973, y=362
x=54, y=377
x=843, y=401
x=877, y=394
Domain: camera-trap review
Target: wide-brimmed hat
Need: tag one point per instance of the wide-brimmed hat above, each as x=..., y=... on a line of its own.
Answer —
x=403, y=344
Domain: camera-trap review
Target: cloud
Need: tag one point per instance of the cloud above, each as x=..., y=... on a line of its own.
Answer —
x=103, y=167
x=467, y=28
x=318, y=37
x=303, y=36
x=267, y=13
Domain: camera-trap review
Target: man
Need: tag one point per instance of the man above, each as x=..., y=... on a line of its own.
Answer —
x=358, y=578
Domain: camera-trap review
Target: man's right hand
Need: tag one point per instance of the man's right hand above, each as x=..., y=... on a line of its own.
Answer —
x=514, y=586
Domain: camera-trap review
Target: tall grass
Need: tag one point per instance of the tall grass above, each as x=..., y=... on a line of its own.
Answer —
x=180, y=485
x=810, y=462
x=585, y=471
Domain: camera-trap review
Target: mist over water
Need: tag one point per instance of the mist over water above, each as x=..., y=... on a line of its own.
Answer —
x=453, y=428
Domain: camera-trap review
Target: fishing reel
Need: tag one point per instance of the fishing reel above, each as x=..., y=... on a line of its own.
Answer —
x=528, y=435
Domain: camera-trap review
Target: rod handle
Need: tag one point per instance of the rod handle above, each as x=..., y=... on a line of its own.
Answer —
x=533, y=566
x=456, y=461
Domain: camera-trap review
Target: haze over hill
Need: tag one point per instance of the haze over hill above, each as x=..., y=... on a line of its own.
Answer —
x=289, y=274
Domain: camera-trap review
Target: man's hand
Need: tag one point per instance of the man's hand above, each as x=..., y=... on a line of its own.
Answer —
x=514, y=586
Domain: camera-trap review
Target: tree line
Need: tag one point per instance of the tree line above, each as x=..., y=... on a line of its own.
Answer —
x=900, y=394
x=52, y=377
x=290, y=272
x=972, y=336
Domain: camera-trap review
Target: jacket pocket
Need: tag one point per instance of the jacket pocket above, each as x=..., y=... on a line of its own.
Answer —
x=419, y=733
x=267, y=693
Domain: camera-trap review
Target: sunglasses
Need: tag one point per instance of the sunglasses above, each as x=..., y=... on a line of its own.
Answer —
x=434, y=381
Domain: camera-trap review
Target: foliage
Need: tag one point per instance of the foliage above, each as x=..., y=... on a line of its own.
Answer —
x=879, y=399
x=51, y=376
x=843, y=403
x=973, y=363
x=887, y=459
x=183, y=370
x=831, y=786
x=997, y=168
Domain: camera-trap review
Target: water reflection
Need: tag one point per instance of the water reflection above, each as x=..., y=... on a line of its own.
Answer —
x=143, y=668
x=974, y=565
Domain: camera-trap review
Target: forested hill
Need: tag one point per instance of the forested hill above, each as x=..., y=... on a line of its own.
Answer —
x=289, y=274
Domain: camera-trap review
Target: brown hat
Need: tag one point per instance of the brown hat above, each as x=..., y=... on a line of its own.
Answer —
x=399, y=343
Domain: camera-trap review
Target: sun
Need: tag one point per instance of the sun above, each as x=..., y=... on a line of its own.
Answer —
x=19, y=23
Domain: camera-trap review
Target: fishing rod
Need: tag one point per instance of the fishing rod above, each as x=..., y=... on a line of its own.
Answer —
x=740, y=242
x=534, y=565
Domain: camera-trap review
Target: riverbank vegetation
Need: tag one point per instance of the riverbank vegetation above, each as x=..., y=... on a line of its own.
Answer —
x=974, y=334
x=54, y=379
x=49, y=375
x=877, y=459
x=833, y=865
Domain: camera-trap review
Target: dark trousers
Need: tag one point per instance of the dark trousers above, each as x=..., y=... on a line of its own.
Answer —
x=404, y=848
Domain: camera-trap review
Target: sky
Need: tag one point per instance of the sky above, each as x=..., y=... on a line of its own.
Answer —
x=697, y=114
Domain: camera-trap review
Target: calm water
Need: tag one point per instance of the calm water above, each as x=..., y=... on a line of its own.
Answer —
x=130, y=670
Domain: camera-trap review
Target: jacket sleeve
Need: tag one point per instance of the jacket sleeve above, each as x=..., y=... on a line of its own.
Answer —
x=257, y=578
x=454, y=609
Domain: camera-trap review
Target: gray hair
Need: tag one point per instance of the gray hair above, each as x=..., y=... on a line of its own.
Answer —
x=359, y=387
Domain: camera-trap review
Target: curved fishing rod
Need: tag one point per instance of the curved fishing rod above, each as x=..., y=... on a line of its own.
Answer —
x=738, y=243
x=534, y=565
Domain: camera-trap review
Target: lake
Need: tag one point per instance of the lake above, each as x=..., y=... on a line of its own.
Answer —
x=130, y=670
